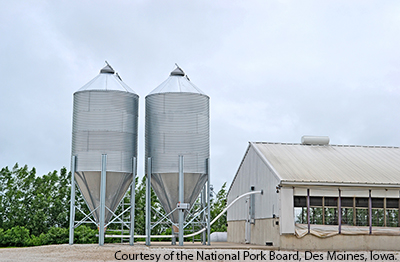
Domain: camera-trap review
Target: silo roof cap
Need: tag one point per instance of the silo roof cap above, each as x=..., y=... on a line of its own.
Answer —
x=177, y=82
x=107, y=80
x=107, y=70
x=177, y=72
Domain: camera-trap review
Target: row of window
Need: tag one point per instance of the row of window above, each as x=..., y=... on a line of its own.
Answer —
x=354, y=211
x=301, y=201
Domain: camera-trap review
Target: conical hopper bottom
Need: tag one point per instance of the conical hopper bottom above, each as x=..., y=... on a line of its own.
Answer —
x=116, y=187
x=166, y=187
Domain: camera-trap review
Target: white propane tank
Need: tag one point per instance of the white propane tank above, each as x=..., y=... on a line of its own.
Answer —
x=315, y=140
x=219, y=237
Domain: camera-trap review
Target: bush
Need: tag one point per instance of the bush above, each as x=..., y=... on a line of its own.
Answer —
x=39, y=241
x=85, y=235
x=16, y=237
x=1, y=237
x=57, y=235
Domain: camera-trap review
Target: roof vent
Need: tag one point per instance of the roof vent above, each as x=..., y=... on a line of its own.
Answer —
x=315, y=140
x=107, y=69
x=178, y=71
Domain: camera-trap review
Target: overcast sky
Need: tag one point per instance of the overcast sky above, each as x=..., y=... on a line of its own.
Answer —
x=274, y=70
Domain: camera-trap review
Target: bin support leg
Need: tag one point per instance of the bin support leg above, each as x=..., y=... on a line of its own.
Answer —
x=72, y=208
x=133, y=187
x=102, y=198
x=181, y=199
x=148, y=201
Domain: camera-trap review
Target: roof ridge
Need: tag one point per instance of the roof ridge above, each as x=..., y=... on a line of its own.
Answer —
x=333, y=145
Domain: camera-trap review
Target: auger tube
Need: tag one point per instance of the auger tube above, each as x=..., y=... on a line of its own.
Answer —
x=202, y=230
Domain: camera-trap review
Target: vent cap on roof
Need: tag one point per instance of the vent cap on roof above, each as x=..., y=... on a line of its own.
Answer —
x=315, y=140
x=177, y=71
x=107, y=69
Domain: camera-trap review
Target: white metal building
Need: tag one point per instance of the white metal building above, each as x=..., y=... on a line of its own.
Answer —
x=317, y=196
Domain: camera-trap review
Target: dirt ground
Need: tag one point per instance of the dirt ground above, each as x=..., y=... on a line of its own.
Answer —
x=165, y=252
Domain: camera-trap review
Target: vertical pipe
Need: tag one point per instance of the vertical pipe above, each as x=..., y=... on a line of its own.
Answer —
x=133, y=188
x=148, y=201
x=370, y=212
x=247, y=229
x=340, y=211
x=398, y=216
x=252, y=206
x=181, y=199
x=192, y=231
x=173, y=239
x=308, y=211
x=72, y=208
x=384, y=212
x=102, y=198
x=203, y=220
x=354, y=212
x=208, y=201
x=122, y=203
x=323, y=210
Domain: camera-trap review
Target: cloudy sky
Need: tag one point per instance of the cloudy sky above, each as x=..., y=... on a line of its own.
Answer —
x=274, y=70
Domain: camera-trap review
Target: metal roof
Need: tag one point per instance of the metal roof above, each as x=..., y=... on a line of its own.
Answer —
x=332, y=164
x=107, y=80
x=177, y=82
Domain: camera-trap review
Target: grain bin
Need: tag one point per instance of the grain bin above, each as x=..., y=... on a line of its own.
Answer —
x=105, y=121
x=177, y=124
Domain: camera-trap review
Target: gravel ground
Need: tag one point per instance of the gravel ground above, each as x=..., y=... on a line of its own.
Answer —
x=122, y=252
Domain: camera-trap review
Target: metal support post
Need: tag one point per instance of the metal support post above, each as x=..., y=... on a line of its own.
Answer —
x=308, y=211
x=173, y=239
x=354, y=212
x=181, y=199
x=148, y=201
x=102, y=198
x=384, y=213
x=370, y=212
x=208, y=201
x=398, y=216
x=72, y=209
x=203, y=218
x=340, y=212
x=247, y=229
x=252, y=206
x=133, y=187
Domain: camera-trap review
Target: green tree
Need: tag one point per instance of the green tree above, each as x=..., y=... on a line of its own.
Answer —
x=35, y=202
x=217, y=206
x=17, y=186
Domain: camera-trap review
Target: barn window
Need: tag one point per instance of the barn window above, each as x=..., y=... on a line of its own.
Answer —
x=378, y=215
x=361, y=205
x=347, y=204
x=392, y=212
x=354, y=211
x=316, y=211
x=300, y=209
x=330, y=211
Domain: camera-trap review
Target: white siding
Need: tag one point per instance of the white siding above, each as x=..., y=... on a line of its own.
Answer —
x=385, y=193
x=286, y=211
x=355, y=192
x=326, y=192
x=254, y=172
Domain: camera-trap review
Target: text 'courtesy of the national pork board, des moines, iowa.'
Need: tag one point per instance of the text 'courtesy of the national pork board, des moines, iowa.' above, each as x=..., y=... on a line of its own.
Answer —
x=253, y=255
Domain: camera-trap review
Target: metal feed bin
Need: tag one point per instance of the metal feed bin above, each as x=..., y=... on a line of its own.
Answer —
x=104, y=142
x=177, y=126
